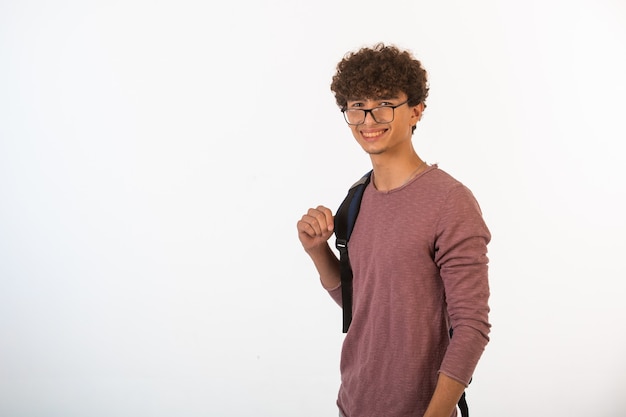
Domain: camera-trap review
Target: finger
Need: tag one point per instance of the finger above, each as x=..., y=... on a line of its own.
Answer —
x=328, y=217
x=316, y=221
x=308, y=225
x=320, y=218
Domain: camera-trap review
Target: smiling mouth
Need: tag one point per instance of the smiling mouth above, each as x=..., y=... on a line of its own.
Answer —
x=373, y=135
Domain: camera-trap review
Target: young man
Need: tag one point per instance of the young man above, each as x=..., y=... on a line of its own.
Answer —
x=418, y=253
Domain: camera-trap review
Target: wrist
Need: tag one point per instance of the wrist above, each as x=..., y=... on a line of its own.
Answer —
x=319, y=252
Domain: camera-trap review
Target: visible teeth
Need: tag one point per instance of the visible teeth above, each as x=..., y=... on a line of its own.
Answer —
x=373, y=134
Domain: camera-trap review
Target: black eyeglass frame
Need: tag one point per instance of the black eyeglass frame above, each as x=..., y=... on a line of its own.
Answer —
x=370, y=111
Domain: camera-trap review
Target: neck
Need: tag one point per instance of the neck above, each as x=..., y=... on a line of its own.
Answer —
x=391, y=174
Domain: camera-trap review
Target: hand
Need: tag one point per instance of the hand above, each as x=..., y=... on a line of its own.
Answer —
x=315, y=228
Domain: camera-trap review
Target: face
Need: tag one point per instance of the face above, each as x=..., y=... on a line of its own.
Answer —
x=376, y=135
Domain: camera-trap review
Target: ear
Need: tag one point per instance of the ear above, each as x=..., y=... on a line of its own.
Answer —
x=416, y=113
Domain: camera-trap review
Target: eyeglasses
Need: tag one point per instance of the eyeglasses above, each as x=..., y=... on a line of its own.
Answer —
x=382, y=114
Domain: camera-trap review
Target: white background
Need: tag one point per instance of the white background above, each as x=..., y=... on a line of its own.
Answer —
x=156, y=155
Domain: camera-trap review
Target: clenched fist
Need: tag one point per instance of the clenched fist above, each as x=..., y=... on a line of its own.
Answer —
x=315, y=228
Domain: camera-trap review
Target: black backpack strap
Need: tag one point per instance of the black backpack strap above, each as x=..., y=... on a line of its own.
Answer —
x=344, y=223
x=462, y=401
x=463, y=406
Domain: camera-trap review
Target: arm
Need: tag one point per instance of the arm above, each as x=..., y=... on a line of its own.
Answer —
x=314, y=230
x=461, y=255
x=446, y=396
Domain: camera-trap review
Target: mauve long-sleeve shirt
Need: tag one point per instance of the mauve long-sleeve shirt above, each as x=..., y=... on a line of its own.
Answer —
x=419, y=258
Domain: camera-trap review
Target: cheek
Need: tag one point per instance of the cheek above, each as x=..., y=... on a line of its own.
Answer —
x=404, y=121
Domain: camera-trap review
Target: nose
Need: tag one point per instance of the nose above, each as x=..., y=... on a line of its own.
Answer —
x=368, y=114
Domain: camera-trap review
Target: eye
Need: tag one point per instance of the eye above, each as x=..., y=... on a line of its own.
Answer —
x=385, y=104
x=355, y=104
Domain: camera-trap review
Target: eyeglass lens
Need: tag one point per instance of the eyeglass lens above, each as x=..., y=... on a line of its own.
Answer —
x=382, y=114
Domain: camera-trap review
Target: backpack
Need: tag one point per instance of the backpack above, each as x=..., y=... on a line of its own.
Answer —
x=345, y=218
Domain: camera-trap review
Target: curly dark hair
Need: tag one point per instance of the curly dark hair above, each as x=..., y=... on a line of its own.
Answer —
x=379, y=72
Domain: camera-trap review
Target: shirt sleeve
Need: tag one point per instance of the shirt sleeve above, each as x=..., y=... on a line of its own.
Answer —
x=461, y=255
x=335, y=294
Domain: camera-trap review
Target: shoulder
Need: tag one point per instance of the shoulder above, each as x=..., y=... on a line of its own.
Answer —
x=440, y=185
x=439, y=177
x=451, y=193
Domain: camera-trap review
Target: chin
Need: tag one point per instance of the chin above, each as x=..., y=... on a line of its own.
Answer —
x=374, y=151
